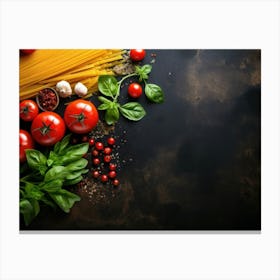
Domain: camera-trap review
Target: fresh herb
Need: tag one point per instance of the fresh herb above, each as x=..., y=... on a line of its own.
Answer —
x=110, y=87
x=46, y=176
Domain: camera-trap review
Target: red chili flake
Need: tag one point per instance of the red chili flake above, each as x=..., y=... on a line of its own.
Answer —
x=47, y=99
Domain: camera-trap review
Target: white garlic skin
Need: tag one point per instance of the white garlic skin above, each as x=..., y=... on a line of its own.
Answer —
x=64, y=89
x=80, y=89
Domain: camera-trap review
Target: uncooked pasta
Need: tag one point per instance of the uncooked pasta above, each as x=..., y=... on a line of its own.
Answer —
x=45, y=67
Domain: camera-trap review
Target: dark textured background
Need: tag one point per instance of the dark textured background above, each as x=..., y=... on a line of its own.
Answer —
x=193, y=163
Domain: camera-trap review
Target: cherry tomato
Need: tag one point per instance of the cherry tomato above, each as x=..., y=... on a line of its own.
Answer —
x=107, y=158
x=95, y=174
x=111, y=141
x=91, y=141
x=135, y=90
x=104, y=178
x=25, y=51
x=99, y=146
x=116, y=182
x=107, y=151
x=112, y=174
x=112, y=166
x=96, y=161
x=95, y=153
x=28, y=110
x=81, y=116
x=25, y=142
x=47, y=128
x=137, y=54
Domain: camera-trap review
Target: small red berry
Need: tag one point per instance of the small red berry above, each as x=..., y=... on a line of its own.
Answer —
x=99, y=146
x=96, y=161
x=112, y=166
x=107, y=151
x=112, y=174
x=111, y=141
x=84, y=138
x=91, y=141
x=116, y=182
x=107, y=158
x=104, y=178
x=95, y=153
x=95, y=174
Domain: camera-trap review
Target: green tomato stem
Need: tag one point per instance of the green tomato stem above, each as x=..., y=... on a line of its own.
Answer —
x=119, y=85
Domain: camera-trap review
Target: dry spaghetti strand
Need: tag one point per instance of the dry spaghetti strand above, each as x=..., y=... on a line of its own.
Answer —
x=44, y=68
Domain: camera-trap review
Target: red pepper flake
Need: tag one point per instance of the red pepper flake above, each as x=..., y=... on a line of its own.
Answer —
x=47, y=99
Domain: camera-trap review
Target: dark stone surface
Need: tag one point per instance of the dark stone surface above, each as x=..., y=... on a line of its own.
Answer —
x=194, y=162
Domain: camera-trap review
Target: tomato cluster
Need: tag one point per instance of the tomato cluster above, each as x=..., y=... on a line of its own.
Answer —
x=104, y=169
x=47, y=128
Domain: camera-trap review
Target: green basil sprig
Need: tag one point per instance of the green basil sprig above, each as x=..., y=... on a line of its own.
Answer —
x=47, y=177
x=134, y=111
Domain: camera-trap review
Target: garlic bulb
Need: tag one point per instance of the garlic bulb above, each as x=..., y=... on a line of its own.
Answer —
x=80, y=89
x=64, y=89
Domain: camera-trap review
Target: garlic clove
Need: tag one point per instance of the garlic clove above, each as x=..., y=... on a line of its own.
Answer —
x=80, y=89
x=64, y=89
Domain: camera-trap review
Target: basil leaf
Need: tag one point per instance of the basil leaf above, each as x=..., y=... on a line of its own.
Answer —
x=26, y=209
x=36, y=160
x=52, y=186
x=112, y=114
x=132, y=111
x=77, y=165
x=104, y=100
x=108, y=85
x=73, y=182
x=65, y=199
x=36, y=206
x=74, y=175
x=73, y=153
x=33, y=191
x=63, y=144
x=154, y=93
x=143, y=71
x=56, y=172
x=103, y=106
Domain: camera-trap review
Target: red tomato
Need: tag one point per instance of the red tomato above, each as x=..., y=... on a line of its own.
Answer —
x=25, y=142
x=134, y=90
x=137, y=54
x=28, y=110
x=111, y=141
x=47, y=128
x=25, y=51
x=81, y=116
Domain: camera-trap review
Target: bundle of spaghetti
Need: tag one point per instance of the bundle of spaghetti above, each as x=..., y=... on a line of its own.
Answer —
x=44, y=68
